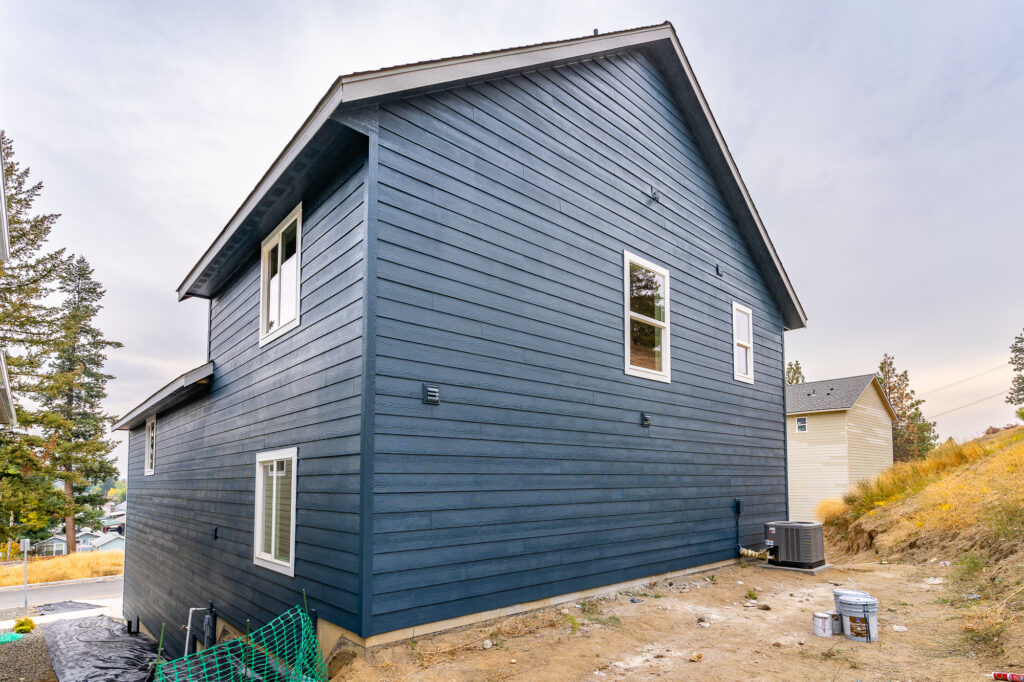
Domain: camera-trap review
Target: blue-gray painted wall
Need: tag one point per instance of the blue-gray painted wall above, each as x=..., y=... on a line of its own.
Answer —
x=504, y=210
x=301, y=390
x=491, y=238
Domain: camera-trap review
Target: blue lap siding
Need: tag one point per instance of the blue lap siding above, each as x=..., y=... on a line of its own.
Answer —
x=301, y=390
x=477, y=243
x=504, y=210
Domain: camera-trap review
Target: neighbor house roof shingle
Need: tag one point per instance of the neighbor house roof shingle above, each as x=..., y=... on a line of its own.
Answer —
x=829, y=395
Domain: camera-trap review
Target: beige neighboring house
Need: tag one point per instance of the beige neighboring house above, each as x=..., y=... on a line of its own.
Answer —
x=838, y=432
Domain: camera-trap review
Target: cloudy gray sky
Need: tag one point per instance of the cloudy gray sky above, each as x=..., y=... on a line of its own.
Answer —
x=882, y=143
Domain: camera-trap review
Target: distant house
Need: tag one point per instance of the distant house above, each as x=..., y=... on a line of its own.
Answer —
x=108, y=542
x=491, y=331
x=56, y=545
x=838, y=432
x=7, y=414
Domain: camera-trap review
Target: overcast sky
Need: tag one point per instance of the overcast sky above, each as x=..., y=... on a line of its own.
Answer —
x=882, y=143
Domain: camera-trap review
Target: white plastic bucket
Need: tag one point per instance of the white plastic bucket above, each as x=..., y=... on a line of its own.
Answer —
x=837, y=622
x=823, y=624
x=839, y=592
x=860, y=617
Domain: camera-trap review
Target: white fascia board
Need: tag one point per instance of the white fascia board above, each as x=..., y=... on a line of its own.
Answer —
x=143, y=410
x=374, y=84
x=8, y=414
x=737, y=178
x=362, y=87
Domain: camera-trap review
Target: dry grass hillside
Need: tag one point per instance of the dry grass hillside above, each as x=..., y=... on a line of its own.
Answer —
x=70, y=567
x=962, y=504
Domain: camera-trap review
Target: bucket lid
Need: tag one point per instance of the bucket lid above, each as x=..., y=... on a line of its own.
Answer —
x=856, y=600
x=822, y=614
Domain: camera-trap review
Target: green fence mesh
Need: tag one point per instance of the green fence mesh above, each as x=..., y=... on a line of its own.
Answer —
x=283, y=650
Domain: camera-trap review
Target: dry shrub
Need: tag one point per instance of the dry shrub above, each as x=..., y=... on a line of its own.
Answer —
x=907, y=478
x=69, y=567
x=831, y=511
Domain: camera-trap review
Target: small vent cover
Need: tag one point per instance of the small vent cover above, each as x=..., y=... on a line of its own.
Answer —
x=431, y=394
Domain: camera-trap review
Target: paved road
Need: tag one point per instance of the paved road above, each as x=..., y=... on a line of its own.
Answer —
x=110, y=588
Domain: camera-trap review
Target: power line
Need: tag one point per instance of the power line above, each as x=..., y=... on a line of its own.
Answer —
x=994, y=395
x=981, y=374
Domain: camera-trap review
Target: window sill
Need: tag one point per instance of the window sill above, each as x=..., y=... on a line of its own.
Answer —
x=280, y=331
x=148, y=472
x=648, y=374
x=744, y=379
x=274, y=565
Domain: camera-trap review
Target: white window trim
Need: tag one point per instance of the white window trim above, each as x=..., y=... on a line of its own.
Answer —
x=806, y=422
x=748, y=378
x=149, y=464
x=666, y=374
x=267, y=337
x=258, y=557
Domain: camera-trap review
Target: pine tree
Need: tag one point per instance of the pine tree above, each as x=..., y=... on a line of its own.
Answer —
x=1016, y=394
x=794, y=373
x=72, y=416
x=28, y=500
x=912, y=435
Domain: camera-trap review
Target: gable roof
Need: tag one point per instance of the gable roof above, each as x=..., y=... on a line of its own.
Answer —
x=105, y=538
x=319, y=133
x=832, y=395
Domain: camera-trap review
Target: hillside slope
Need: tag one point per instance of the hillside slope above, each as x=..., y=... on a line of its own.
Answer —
x=964, y=504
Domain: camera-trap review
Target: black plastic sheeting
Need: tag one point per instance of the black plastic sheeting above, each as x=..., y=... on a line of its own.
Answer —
x=64, y=607
x=98, y=649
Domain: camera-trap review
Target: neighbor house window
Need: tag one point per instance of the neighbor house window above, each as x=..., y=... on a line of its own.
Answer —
x=801, y=424
x=743, y=343
x=646, y=319
x=150, y=445
x=279, y=282
x=275, y=511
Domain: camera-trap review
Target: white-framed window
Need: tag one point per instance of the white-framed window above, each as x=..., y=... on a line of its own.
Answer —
x=274, y=539
x=743, y=343
x=279, y=279
x=646, y=319
x=150, y=465
x=801, y=424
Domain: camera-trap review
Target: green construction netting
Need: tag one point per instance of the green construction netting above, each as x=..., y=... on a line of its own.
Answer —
x=283, y=650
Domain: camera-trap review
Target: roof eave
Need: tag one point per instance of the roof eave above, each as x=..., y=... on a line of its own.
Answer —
x=364, y=88
x=8, y=413
x=163, y=399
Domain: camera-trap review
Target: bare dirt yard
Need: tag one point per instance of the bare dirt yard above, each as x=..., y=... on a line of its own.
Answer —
x=703, y=626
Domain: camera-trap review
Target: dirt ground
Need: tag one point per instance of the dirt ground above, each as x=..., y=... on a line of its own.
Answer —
x=706, y=617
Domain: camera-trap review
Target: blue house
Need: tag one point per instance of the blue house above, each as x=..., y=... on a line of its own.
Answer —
x=491, y=331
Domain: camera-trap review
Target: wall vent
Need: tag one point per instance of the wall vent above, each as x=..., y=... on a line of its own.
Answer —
x=431, y=394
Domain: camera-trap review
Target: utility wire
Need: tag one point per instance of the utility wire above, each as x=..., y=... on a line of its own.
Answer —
x=994, y=395
x=981, y=374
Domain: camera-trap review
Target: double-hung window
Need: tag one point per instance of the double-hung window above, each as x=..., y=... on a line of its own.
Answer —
x=275, y=511
x=150, y=465
x=647, y=342
x=801, y=424
x=743, y=343
x=279, y=282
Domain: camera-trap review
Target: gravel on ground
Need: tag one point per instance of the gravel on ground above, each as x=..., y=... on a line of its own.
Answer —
x=17, y=612
x=26, y=660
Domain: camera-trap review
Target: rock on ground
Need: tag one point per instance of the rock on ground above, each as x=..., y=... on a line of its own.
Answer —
x=26, y=660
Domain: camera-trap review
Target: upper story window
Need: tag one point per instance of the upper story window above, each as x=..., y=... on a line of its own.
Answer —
x=743, y=343
x=279, y=281
x=647, y=344
x=275, y=511
x=150, y=446
x=801, y=424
